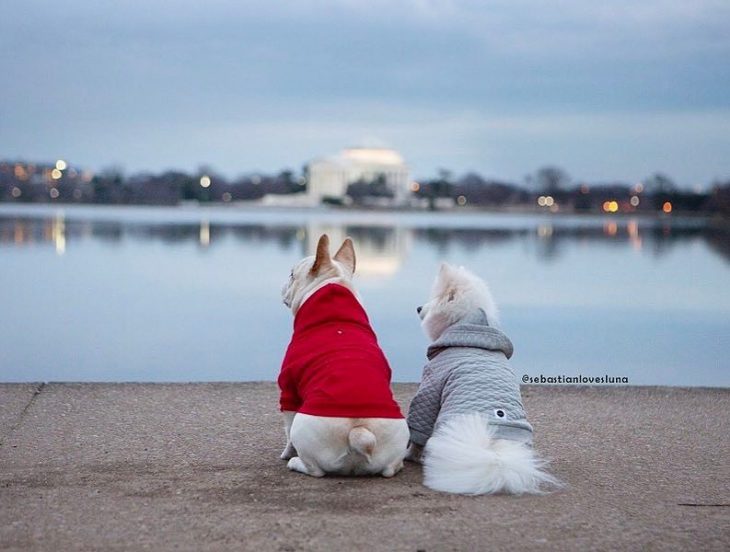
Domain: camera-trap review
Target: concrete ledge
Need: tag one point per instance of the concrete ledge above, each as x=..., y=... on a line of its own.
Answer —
x=195, y=466
x=14, y=400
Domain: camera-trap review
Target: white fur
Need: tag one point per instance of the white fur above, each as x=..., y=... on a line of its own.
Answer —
x=299, y=288
x=317, y=445
x=348, y=446
x=456, y=293
x=464, y=457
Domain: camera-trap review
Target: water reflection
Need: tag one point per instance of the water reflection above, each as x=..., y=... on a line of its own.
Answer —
x=58, y=234
x=204, y=233
x=720, y=243
x=381, y=248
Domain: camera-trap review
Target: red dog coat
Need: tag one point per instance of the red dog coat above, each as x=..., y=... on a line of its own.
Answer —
x=333, y=365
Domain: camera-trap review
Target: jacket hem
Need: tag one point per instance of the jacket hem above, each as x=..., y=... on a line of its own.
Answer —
x=419, y=437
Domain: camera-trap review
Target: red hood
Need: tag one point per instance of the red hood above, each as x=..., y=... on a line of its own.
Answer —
x=330, y=304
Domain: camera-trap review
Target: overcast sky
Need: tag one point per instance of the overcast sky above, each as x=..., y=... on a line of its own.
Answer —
x=611, y=90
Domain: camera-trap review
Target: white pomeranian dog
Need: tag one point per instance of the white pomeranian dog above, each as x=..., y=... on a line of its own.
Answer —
x=339, y=411
x=467, y=423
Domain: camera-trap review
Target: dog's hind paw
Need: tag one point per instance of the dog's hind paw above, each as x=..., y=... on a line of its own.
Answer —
x=390, y=471
x=298, y=465
x=288, y=452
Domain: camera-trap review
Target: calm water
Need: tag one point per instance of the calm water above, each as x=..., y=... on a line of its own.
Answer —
x=179, y=294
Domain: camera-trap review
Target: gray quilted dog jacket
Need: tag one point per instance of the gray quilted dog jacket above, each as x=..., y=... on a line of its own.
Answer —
x=469, y=372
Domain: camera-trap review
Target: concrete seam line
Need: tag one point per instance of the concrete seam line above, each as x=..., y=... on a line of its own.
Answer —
x=21, y=416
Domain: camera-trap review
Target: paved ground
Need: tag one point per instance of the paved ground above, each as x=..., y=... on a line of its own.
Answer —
x=195, y=467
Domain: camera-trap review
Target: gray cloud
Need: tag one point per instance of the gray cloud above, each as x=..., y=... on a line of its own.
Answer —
x=499, y=87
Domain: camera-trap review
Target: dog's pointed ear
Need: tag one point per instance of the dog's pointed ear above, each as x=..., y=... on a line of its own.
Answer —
x=444, y=270
x=346, y=255
x=322, y=257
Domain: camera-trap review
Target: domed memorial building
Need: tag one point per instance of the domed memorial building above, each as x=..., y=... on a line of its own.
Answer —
x=378, y=172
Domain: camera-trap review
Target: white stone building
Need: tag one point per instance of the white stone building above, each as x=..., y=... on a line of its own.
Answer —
x=330, y=177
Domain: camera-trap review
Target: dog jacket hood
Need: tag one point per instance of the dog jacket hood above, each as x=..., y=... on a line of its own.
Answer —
x=334, y=365
x=468, y=371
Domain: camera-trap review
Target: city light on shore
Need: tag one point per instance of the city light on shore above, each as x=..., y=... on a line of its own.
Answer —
x=61, y=165
x=205, y=181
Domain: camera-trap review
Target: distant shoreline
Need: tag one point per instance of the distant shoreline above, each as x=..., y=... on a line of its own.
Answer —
x=456, y=218
x=257, y=206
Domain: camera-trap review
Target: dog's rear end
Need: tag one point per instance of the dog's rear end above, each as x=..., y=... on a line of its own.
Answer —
x=464, y=457
x=348, y=446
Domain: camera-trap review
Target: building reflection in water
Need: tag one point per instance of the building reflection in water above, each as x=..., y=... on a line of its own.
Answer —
x=380, y=251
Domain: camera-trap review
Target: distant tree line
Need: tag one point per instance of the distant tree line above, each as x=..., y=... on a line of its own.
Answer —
x=651, y=194
x=548, y=188
x=37, y=183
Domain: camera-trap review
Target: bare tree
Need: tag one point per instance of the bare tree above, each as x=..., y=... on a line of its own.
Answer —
x=659, y=183
x=551, y=179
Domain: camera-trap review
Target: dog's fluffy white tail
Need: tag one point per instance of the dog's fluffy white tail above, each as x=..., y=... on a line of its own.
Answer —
x=362, y=440
x=464, y=457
